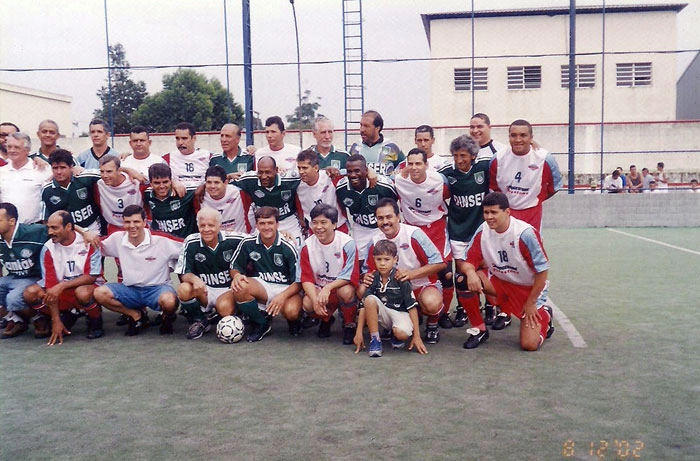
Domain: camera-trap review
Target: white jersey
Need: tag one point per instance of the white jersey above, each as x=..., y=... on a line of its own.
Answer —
x=489, y=150
x=147, y=264
x=323, y=264
x=233, y=215
x=424, y=203
x=321, y=192
x=142, y=164
x=415, y=250
x=189, y=169
x=67, y=262
x=520, y=176
x=113, y=200
x=286, y=158
x=438, y=161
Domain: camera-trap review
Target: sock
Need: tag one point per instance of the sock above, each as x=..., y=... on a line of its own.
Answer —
x=544, y=323
x=374, y=335
x=447, y=295
x=251, y=309
x=193, y=309
x=470, y=303
x=349, y=311
x=93, y=311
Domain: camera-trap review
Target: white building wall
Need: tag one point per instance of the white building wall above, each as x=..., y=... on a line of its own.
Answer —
x=27, y=107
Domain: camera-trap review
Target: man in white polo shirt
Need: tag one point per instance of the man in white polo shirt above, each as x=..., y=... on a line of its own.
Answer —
x=21, y=181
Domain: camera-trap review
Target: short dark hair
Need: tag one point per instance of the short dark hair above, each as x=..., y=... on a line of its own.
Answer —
x=138, y=129
x=275, y=120
x=186, y=126
x=62, y=156
x=308, y=155
x=326, y=210
x=217, y=171
x=66, y=217
x=694, y=181
x=267, y=212
x=385, y=248
x=616, y=173
x=418, y=151
x=388, y=201
x=521, y=122
x=425, y=129
x=159, y=170
x=99, y=121
x=357, y=158
x=10, y=210
x=464, y=142
x=483, y=117
x=132, y=210
x=10, y=124
x=378, y=120
x=660, y=164
x=111, y=158
x=496, y=198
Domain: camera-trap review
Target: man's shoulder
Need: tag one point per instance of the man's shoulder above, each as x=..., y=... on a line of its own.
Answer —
x=34, y=233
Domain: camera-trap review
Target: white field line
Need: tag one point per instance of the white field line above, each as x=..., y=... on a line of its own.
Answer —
x=566, y=325
x=656, y=242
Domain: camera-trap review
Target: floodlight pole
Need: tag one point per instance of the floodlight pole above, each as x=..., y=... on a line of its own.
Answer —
x=572, y=92
x=248, y=76
x=229, y=99
x=109, y=78
x=296, y=33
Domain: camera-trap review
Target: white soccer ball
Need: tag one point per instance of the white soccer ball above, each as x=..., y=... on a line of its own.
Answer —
x=230, y=329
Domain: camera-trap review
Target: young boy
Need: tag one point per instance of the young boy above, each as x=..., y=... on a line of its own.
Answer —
x=389, y=303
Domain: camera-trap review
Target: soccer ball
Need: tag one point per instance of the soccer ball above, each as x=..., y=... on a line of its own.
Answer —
x=229, y=330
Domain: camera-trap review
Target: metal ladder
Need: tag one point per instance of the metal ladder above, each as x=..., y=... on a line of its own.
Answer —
x=353, y=66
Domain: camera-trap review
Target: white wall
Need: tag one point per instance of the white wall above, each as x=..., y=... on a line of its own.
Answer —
x=26, y=108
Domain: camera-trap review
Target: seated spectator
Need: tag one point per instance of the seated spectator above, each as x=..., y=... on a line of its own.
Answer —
x=613, y=183
x=635, y=181
x=622, y=177
x=661, y=178
x=694, y=186
x=646, y=179
x=652, y=187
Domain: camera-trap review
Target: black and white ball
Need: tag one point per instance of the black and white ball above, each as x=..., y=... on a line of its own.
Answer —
x=230, y=329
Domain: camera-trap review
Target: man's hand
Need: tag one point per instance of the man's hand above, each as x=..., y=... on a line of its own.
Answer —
x=417, y=342
x=179, y=189
x=367, y=279
x=40, y=163
x=251, y=149
x=474, y=282
x=333, y=172
x=359, y=341
x=91, y=238
x=531, y=315
x=275, y=305
x=403, y=275
x=239, y=283
x=52, y=294
x=233, y=176
x=57, y=332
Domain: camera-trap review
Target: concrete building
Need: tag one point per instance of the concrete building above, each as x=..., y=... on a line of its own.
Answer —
x=520, y=65
x=687, y=97
x=27, y=107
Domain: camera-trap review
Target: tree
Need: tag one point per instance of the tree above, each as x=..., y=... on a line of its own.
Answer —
x=304, y=115
x=126, y=94
x=188, y=96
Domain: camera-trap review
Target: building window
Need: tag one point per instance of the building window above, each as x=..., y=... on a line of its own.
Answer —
x=632, y=74
x=584, y=76
x=524, y=77
x=466, y=77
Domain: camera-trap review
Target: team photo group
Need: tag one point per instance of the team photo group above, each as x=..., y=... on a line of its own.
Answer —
x=375, y=239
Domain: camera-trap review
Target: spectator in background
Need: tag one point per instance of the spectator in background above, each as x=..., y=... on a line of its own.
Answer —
x=646, y=179
x=652, y=187
x=612, y=183
x=623, y=177
x=635, y=181
x=661, y=178
x=694, y=186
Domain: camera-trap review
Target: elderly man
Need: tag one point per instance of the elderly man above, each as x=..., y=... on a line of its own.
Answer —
x=329, y=157
x=232, y=159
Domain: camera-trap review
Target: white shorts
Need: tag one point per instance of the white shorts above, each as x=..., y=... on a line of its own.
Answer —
x=391, y=318
x=291, y=225
x=271, y=290
x=459, y=249
x=213, y=295
x=363, y=239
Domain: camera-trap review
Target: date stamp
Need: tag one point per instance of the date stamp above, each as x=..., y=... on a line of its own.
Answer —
x=604, y=449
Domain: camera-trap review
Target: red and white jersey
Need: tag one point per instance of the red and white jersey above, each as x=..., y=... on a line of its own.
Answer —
x=527, y=180
x=232, y=209
x=415, y=250
x=322, y=264
x=66, y=262
x=321, y=192
x=438, y=161
x=147, y=264
x=423, y=203
x=286, y=158
x=142, y=164
x=189, y=169
x=113, y=200
x=514, y=256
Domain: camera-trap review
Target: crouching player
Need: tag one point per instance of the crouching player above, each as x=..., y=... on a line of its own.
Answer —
x=265, y=277
x=69, y=270
x=511, y=251
x=388, y=303
x=330, y=273
x=204, y=271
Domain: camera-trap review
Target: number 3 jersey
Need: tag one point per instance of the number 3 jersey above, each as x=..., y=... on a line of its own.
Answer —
x=322, y=264
x=514, y=256
x=113, y=200
x=67, y=262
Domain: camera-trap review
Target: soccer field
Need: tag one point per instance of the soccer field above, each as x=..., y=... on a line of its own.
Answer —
x=618, y=380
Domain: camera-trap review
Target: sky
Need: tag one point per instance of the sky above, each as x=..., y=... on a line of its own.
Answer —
x=69, y=34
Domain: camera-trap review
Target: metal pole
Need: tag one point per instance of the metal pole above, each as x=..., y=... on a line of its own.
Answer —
x=229, y=108
x=572, y=92
x=472, y=70
x=296, y=34
x=248, y=76
x=109, y=78
x=602, y=99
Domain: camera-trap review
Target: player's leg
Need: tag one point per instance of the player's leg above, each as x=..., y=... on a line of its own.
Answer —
x=478, y=333
x=123, y=300
x=84, y=296
x=371, y=314
x=348, y=308
x=430, y=301
x=19, y=312
x=247, y=302
x=447, y=281
x=168, y=303
x=459, y=253
x=292, y=312
x=33, y=296
x=533, y=336
x=191, y=302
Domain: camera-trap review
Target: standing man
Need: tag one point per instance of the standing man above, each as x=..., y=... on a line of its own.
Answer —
x=265, y=277
x=204, y=271
x=21, y=181
x=330, y=273
x=232, y=159
x=528, y=175
x=316, y=187
x=99, y=134
x=360, y=200
x=48, y=135
x=115, y=191
x=516, y=268
x=146, y=258
x=382, y=156
x=419, y=262
x=188, y=163
x=285, y=155
x=226, y=199
x=142, y=158
x=329, y=158
x=424, y=137
x=6, y=129
x=480, y=131
x=69, y=270
x=20, y=255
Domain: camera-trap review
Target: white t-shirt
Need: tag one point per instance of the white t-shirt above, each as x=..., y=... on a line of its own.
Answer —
x=22, y=188
x=142, y=164
x=286, y=158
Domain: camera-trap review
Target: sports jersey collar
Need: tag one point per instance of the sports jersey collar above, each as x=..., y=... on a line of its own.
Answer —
x=238, y=153
x=379, y=141
x=219, y=238
x=392, y=276
x=14, y=233
x=27, y=166
x=324, y=155
x=259, y=241
x=146, y=239
x=92, y=152
x=278, y=181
